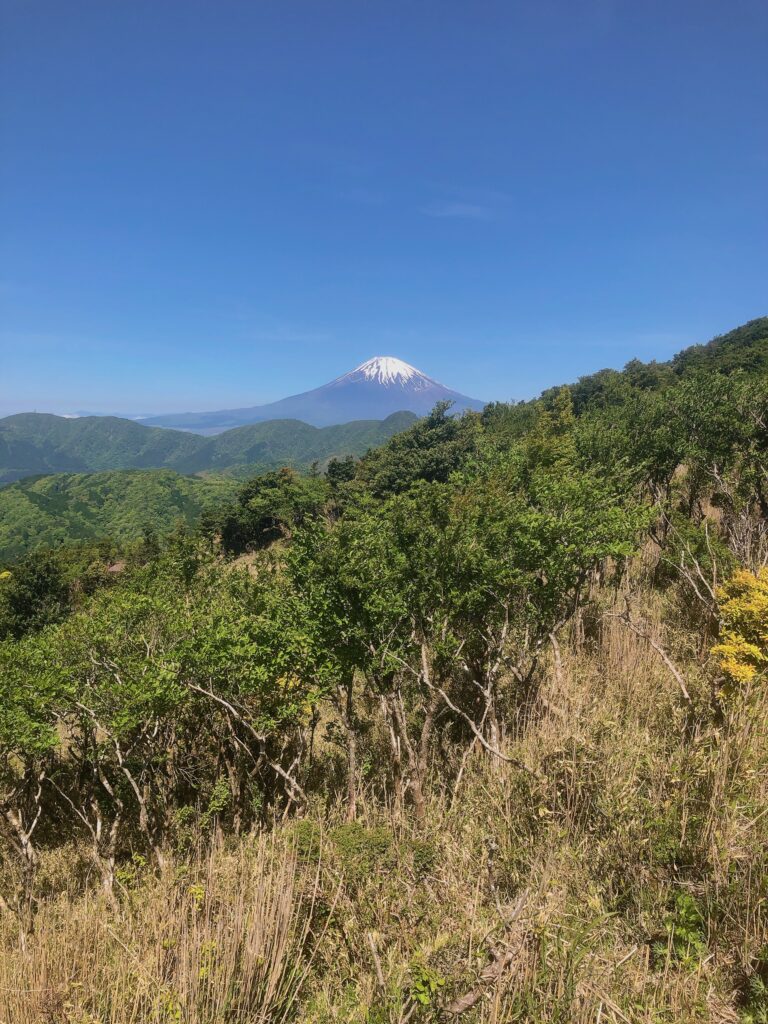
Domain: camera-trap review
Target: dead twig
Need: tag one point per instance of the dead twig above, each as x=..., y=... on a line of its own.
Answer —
x=626, y=618
x=494, y=970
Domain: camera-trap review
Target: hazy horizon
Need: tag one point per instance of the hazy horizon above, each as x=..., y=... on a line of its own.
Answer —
x=177, y=405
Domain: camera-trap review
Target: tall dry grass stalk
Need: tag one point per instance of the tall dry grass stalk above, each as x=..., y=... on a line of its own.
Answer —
x=225, y=938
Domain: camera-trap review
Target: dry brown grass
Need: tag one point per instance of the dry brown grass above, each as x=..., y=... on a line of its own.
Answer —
x=226, y=938
x=550, y=897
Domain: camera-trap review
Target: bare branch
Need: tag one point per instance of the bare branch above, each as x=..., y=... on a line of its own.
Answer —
x=500, y=962
x=626, y=618
x=479, y=736
x=295, y=788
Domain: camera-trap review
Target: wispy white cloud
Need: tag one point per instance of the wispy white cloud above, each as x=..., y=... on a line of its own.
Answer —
x=461, y=211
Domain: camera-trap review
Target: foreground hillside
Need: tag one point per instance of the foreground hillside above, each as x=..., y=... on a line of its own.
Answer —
x=35, y=443
x=613, y=869
x=473, y=729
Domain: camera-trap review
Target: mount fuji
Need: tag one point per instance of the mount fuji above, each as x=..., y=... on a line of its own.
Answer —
x=374, y=390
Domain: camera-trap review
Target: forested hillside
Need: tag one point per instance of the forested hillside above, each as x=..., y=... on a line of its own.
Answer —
x=66, y=508
x=33, y=443
x=474, y=728
x=36, y=443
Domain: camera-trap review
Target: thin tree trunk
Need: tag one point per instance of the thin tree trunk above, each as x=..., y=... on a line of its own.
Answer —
x=397, y=754
x=346, y=708
x=28, y=856
x=422, y=762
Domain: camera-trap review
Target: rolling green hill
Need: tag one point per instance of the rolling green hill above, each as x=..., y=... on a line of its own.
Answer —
x=69, y=507
x=290, y=443
x=744, y=348
x=35, y=443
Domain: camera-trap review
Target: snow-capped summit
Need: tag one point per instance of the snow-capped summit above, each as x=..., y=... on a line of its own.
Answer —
x=388, y=370
x=372, y=391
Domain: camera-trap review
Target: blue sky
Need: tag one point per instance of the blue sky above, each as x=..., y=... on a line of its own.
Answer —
x=207, y=203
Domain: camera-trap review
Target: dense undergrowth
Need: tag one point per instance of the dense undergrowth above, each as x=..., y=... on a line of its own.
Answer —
x=474, y=729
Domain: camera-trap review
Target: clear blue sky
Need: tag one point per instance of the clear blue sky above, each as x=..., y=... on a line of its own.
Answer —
x=206, y=203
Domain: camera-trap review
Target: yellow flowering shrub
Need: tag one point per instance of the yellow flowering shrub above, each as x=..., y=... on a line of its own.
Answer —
x=743, y=647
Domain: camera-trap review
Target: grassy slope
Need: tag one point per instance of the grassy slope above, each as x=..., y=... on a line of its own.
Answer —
x=65, y=508
x=579, y=865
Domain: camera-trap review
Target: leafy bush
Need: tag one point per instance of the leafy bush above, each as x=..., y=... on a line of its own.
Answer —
x=685, y=928
x=743, y=647
x=362, y=850
x=755, y=1008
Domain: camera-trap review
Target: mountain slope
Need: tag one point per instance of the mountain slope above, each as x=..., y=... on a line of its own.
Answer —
x=744, y=348
x=291, y=443
x=35, y=443
x=373, y=390
x=66, y=508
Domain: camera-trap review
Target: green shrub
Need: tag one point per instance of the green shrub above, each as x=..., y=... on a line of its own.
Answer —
x=755, y=1008
x=686, y=932
x=425, y=853
x=363, y=850
x=307, y=837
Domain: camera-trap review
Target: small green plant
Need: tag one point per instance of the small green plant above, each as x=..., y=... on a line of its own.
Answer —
x=207, y=959
x=425, y=983
x=197, y=893
x=218, y=802
x=756, y=1009
x=128, y=875
x=184, y=821
x=755, y=1006
x=307, y=836
x=686, y=932
x=425, y=853
x=257, y=804
x=169, y=1008
x=363, y=850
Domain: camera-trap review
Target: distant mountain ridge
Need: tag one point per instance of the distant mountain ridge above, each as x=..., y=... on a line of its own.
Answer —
x=32, y=444
x=82, y=505
x=39, y=443
x=374, y=390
